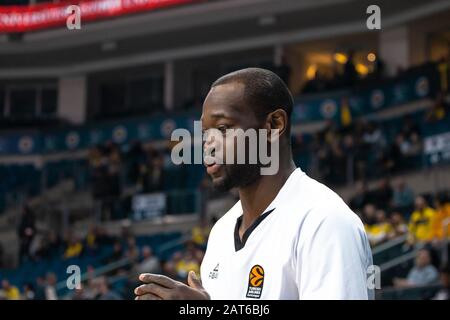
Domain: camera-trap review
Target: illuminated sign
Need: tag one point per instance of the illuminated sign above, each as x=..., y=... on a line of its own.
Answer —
x=41, y=16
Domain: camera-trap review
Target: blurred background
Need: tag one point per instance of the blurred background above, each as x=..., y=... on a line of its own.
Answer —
x=86, y=117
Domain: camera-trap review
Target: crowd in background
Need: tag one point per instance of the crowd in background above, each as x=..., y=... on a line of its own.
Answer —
x=130, y=258
x=389, y=212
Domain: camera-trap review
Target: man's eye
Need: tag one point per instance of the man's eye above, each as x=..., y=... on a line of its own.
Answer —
x=223, y=129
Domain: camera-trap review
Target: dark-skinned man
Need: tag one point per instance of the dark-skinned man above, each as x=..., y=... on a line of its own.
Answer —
x=289, y=236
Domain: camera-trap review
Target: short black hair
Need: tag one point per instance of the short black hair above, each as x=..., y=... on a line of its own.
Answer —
x=264, y=90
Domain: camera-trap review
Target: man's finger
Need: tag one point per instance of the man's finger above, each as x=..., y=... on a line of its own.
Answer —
x=148, y=296
x=158, y=279
x=193, y=281
x=154, y=289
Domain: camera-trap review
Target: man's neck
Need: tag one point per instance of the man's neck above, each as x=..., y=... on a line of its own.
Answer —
x=256, y=197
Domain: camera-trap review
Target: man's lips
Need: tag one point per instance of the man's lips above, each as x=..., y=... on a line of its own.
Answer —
x=213, y=168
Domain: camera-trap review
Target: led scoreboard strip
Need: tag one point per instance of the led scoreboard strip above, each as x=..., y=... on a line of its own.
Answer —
x=47, y=15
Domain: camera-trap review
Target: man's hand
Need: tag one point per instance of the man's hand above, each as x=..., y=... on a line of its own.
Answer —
x=159, y=287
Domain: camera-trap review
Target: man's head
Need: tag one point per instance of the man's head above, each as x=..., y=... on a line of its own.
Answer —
x=147, y=252
x=5, y=284
x=251, y=98
x=420, y=203
x=423, y=258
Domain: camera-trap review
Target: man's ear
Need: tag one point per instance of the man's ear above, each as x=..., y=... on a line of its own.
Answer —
x=277, y=120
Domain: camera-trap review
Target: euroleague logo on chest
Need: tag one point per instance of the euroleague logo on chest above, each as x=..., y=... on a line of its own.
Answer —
x=255, y=282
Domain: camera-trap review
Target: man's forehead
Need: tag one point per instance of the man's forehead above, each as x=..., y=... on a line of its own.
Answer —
x=227, y=97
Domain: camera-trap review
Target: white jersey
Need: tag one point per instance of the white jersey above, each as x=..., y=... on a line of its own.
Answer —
x=307, y=244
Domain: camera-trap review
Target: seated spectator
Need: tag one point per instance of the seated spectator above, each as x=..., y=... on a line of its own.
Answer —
x=381, y=230
x=50, y=246
x=132, y=253
x=150, y=263
x=26, y=232
x=200, y=233
x=361, y=197
x=104, y=292
x=74, y=247
x=50, y=287
x=444, y=293
x=399, y=226
x=10, y=292
x=187, y=263
x=420, y=223
x=369, y=216
x=423, y=273
x=442, y=217
x=403, y=195
x=116, y=255
x=28, y=291
x=382, y=196
x=438, y=110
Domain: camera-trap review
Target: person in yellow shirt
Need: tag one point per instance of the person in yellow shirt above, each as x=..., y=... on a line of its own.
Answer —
x=200, y=233
x=442, y=216
x=420, y=222
x=74, y=248
x=381, y=230
x=11, y=292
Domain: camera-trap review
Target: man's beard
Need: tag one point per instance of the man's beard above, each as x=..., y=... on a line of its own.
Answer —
x=237, y=176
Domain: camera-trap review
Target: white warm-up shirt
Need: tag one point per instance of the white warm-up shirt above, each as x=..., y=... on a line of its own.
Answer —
x=307, y=244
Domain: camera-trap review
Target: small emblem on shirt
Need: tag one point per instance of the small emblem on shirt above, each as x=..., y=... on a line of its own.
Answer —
x=215, y=273
x=255, y=282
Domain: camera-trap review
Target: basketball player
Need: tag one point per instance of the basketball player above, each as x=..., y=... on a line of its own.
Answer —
x=289, y=236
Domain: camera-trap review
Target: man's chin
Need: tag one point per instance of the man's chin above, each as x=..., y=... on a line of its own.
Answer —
x=221, y=184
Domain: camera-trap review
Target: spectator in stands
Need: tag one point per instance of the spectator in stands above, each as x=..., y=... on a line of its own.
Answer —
x=444, y=292
x=381, y=230
x=423, y=273
x=399, y=226
x=50, y=246
x=360, y=198
x=187, y=263
x=80, y=294
x=168, y=269
x=135, y=157
x=403, y=195
x=132, y=253
x=200, y=233
x=369, y=215
x=441, y=219
x=91, y=241
x=420, y=223
x=26, y=232
x=438, y=110
x=150, y=263
x=40, y=289
x=152, y=174
x=382, y=195
x=409, y=127
x=74, y=247
x=11, y=292
x=116, y=255
x=374, y=137
x=50, y=287
x=28, y=291
x=105, y=292
x=349, y=75
x=393, y=159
